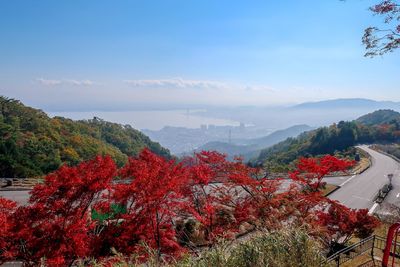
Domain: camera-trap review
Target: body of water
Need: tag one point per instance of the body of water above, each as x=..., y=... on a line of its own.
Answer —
x=151, y=119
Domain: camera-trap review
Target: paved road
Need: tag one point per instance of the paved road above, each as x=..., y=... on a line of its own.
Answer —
x=20, y=197
x=358, y=191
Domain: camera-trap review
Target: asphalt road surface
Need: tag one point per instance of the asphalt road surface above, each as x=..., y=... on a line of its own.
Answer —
x=21, y=197
x=358, y=191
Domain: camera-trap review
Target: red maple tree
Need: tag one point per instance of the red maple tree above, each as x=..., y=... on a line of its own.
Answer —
x=152, y=192
x=343, y=223
x=56, y=225
x=311, y=171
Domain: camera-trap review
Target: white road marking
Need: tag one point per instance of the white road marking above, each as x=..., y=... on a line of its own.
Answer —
x=363, y=198
x=371, y=210
x=398, y=195
x=345, y=182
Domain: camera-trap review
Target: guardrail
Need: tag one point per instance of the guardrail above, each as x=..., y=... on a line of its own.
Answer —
x=385, y=153
x=6, y=182
x=364, y=246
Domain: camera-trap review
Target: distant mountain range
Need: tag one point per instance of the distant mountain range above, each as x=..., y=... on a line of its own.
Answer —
x=278, y=136
x=315, y=114
x=250, y=148
x=349, y=103
x=263, y=121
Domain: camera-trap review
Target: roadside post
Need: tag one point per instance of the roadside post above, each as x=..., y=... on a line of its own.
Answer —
x=390, y=177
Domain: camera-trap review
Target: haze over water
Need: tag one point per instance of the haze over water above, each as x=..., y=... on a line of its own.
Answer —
x=152, y=119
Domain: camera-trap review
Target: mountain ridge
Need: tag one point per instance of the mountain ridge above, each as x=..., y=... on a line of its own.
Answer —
x=347, y=103
x=381, y=116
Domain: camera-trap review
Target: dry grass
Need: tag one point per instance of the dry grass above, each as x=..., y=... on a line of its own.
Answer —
x=382, y=230
x=284, y=248
x=358, y=261
x=361, y=166
x=329, y=188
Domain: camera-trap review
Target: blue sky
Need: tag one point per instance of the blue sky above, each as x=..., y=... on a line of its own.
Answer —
x=96, y=54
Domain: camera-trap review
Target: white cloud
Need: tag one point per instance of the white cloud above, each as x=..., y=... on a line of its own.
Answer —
x=170, y=90
x=259, y=88
x=177, y=83
x=80, y=83
x=49, y=82
x=179, y=90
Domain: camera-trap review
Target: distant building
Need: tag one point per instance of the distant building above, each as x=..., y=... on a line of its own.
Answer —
x=203, y=127
x=242, y=126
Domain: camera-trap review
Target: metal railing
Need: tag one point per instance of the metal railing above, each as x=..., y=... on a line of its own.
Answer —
x=368, y=244
x=353, y=251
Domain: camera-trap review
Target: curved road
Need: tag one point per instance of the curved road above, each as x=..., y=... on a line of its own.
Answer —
x=358, y=191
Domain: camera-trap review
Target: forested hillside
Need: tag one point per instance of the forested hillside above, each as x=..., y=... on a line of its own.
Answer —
x=380, y=117
x=381, y=126
x=32, y=144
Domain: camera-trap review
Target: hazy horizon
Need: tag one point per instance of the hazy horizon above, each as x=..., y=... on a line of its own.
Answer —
x=314, y=114
x=149, y=120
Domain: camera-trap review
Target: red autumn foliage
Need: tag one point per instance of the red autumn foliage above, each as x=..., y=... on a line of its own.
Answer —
x=382, y=40
x=310, y=171
x=153, y=196
x=7, y=208
x=364, y=224
x=166, y=205
x=342, y=223
x=56, y=225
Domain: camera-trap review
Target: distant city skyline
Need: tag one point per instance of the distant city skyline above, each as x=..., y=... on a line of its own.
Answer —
x=112, y=55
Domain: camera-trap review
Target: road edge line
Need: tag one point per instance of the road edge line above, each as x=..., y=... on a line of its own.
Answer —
x=372, y=209
x=348, y=180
